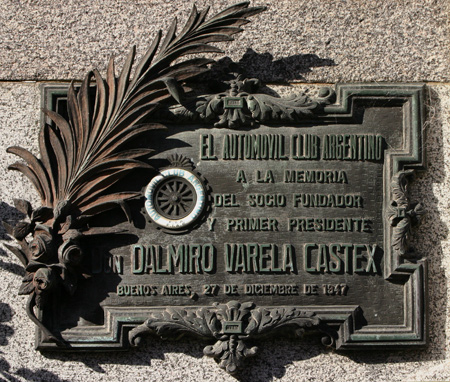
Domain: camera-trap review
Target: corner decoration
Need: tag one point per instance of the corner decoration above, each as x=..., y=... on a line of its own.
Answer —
x=243, y=213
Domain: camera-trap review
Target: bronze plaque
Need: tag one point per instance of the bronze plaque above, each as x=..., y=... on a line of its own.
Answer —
x=235, y=214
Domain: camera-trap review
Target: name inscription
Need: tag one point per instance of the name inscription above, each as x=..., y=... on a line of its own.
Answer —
x=254, y=258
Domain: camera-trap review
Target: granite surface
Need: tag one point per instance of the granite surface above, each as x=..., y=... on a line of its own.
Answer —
x=294, y=40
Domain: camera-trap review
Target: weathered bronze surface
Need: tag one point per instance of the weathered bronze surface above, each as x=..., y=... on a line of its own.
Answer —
x=240, y=213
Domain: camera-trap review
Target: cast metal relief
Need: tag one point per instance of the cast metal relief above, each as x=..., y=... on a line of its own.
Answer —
x=228, y=216
x=402, y=213
x=177, y=197
x=242, y=105
x=231, y=325
x=82, y=158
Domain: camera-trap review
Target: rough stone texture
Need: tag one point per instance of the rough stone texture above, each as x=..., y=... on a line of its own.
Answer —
x=279, y=359
x=313, y=40
x=296, y=41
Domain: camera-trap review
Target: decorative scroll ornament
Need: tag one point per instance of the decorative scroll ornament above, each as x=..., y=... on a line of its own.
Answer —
x=84, y=159
x=241, y=105
x=402, y=214
x=231, y=325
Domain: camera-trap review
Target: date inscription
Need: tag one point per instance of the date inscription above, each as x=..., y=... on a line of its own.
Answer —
x=213, y=290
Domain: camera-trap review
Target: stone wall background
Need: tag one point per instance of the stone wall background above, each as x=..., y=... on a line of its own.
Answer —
x=294, y=41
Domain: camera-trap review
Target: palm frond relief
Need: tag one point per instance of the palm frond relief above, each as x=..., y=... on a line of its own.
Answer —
x=85, y=157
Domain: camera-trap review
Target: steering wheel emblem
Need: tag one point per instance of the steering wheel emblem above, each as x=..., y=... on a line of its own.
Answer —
x=175, y=198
